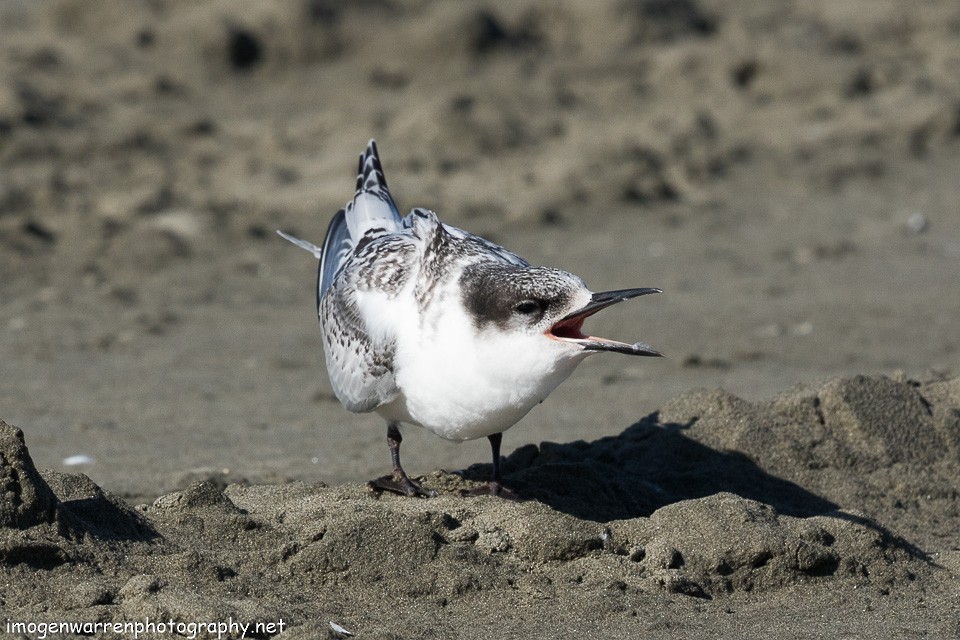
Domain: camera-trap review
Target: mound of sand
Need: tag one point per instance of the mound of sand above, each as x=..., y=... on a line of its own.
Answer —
x=711, y=500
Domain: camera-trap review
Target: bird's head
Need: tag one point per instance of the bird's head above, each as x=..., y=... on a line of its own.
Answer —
x=543, y=307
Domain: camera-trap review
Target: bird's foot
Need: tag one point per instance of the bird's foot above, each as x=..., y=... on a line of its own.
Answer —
x=400, y=483
x=493, y=489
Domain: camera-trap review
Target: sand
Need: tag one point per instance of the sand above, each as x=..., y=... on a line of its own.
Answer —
x=785, y=172
x=668, y=527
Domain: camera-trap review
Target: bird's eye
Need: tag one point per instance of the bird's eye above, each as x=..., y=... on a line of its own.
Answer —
x=528, y=307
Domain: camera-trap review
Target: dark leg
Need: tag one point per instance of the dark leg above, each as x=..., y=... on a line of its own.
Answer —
x=398, y=482
x=495, y=486
x=496, y=480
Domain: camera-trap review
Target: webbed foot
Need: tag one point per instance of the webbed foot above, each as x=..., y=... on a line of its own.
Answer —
x=400, y=483
x=493, y=489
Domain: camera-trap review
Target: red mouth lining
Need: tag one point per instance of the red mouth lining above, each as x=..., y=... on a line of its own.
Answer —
x=569, y=328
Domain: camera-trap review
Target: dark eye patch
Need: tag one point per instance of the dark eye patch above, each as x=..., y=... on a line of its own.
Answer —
x=502, y=295
x=529, y=307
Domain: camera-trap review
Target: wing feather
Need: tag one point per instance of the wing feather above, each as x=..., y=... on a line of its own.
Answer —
x=358, y=346
x=487, y=247
x=368, y=257
x=337, y=247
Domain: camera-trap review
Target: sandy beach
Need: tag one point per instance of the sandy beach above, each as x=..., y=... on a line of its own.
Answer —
x=786, y=172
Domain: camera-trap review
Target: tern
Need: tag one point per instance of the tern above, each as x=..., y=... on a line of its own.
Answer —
x=427, y=324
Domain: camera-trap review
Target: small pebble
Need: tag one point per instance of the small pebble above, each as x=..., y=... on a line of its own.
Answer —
x=340, y=631
x=917, y=222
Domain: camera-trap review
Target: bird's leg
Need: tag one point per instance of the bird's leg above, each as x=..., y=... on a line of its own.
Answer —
x=495, y=486
x=398, y=482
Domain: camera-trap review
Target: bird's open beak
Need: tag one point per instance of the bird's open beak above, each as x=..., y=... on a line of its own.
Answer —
x=568, y=328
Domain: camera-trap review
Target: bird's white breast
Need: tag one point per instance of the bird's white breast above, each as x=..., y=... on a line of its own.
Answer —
x=463, y=384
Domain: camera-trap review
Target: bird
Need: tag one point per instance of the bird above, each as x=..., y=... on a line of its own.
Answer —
x=429, y=325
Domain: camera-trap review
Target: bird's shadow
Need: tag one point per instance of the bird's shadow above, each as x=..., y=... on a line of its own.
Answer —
x=650, y=465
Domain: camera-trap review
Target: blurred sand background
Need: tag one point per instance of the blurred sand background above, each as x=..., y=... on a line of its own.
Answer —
x=788, y=173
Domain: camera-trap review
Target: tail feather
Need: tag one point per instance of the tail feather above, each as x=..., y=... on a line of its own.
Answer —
x=370, y=171
x=372, y=206
x=303, y=244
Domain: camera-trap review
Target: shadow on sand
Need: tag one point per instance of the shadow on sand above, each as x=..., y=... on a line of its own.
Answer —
x=646, y=467
x=651, y=465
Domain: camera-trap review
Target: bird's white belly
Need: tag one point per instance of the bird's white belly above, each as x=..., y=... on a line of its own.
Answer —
x=460, y=397
x=454, y=421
